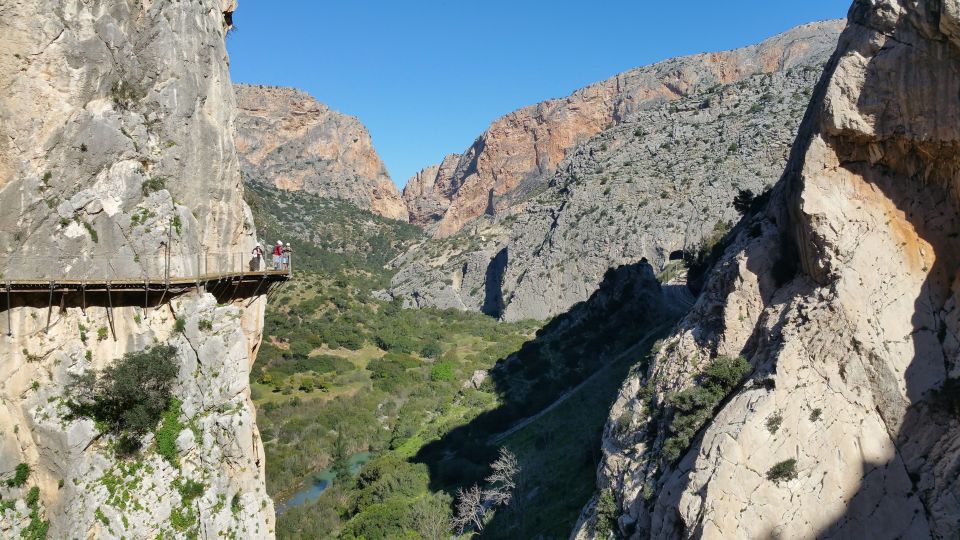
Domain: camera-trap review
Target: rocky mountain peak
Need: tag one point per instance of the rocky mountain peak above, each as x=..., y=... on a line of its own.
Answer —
x=288, y=139
x=654, y=186
x=520, y=151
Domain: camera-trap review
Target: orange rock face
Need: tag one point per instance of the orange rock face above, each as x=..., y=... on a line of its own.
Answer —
x=287, y=139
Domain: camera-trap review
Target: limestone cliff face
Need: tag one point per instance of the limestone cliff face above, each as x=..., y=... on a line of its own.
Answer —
x=287, y=139
x=427, y=194
x=520, y=151
x=842, y=295
x=115, y=146
x=661, y=181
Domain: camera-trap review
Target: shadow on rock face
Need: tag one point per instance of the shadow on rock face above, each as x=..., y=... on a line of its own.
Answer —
x=493, y=285
x=912, y=162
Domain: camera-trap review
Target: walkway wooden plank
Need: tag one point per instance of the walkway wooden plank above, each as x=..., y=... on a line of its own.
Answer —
x=157, y=284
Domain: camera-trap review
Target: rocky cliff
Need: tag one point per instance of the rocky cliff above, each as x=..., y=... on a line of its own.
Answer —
x=842, y=297
x=287, y=139
x=427, y=194
x=520, y=152
x=116, y=155
x=660, y=181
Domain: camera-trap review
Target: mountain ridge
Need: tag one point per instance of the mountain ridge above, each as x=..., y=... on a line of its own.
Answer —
x=526, y=145
x=653, y=187
x=289, y=140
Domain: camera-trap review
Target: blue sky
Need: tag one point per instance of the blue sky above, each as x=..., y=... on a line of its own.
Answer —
x=427, y=77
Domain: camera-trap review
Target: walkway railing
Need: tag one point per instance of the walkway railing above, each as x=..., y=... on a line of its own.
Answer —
x=221, y=273
x=137, y=268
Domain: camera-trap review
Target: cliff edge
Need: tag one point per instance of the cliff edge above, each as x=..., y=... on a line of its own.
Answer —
x=841, y=294
x=117, y=162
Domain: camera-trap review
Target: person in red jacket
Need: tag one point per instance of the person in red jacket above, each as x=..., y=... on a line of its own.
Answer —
x=277, y=255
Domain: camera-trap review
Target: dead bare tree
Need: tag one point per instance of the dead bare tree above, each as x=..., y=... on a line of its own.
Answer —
x=502, y=482
x=431, y=517
x=470, y=509
x=502, y=490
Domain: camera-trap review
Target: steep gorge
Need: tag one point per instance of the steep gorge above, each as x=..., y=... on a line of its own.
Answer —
x=116, y=148
x=841, y=294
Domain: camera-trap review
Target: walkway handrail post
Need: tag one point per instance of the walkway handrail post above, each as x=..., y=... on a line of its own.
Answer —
x=199, y=251
x=49, y=308
x=110, y=312
x=9, y=317
x=166, y=271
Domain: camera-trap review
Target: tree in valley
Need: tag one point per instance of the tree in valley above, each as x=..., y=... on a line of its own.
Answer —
x=431, y=516
x=341, y=457
x=503, y=489
x=470, y=509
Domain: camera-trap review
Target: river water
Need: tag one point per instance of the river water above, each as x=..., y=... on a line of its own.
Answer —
x=319, y=484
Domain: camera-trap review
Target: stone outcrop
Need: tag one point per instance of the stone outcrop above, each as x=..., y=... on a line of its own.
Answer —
x=842, y=295
x=661, y=181
x=520, y=151
x=427, y=194
x=116, y=146
x=287, y=139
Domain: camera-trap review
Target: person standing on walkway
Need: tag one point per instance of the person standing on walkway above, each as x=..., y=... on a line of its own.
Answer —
x=278, y=255
x=286, y=257
x=257, y=257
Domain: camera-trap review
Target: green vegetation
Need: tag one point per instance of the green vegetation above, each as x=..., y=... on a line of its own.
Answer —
x=331, y=237
x=91, y=231
x=746, y=203
x=124, y=94
x=815, y=414
x=442, y=371
x=607, y=514
x=783, y=471
x=694, y=407
x=20, y=475
x=167, y=432
x=183, y=518
x=342, y=373
x=151, y=185
x=700, y=259
x=774, y=422
x=127, y=398
x=37, y=528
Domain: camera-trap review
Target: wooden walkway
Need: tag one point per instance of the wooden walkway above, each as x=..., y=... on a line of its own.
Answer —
x=147, y=292
x=153, y=284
